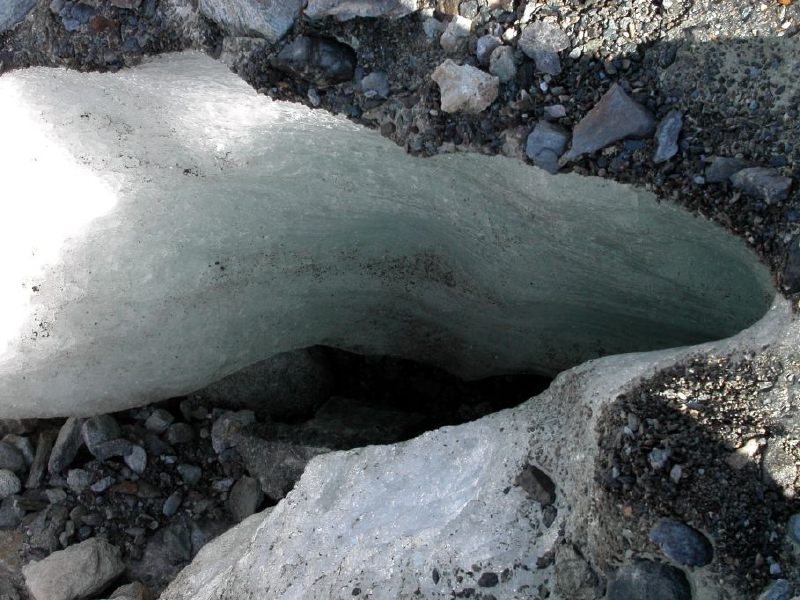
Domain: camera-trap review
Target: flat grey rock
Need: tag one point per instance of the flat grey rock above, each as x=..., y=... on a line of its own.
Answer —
x=545, y=145
x=66, y=446
x=99, y=429
x=270, y=19
x=344, y=10
x=682, y=544
x=667, y=132
x=616, y=116
x=648, y=580
x=75, y=573
x=720, y=168
x=764, y=183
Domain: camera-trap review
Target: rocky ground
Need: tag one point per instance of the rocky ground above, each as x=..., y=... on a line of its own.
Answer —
x=695, y=100
x=158, y=483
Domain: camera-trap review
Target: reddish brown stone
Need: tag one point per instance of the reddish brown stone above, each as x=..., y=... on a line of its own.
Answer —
x=100, y=24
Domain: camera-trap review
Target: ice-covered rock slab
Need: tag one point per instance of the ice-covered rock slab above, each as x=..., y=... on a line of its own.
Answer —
x=165, y=226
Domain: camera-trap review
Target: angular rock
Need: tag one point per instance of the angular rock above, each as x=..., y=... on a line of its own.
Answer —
x=98, y=430
x=720, y=168
x=344, y=10
x=245, y=498
x=537, y=484
x=159, y=420
x=11, y=513
x=682, y=544
x=227, y=428
x=289, y=385
x=66, y=446
x=556, y=111
x=433, y=28
x=502, y=65
x=464, y=88
x=575, y=578
x=616, y=116
x=190, y=473
x=764, y=183
x=456, y=35
x=486, y=45
x=667, y=132
x=78, y=479
x=276, y=465
x=9, y=483
x=13, y=11
x=648, y=580
x=23, y=445
x=270, y=19
x=545, y=145
x=11, y=459
x=376, y=84
x=180, y=433
x=177, y=539
x=74, y=573
x=44, y=445
x=317, y=60
x=136, y=459
x=542, y=42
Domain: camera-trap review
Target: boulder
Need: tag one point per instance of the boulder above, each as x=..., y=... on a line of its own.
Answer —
x=14, y=11
x=317, y=60
x=75, y=573
x=270, y=19
x=615, y=117
x=764, y=183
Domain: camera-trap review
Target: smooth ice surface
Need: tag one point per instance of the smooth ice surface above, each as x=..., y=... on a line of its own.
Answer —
x=165, y=226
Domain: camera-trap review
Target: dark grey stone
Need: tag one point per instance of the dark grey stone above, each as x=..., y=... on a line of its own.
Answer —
x=488, y=579
x=245, y=498
x=66, y=446
x=502, y=65
x=615, y=117
x=180, y=433
x=99, y=429
x=485, y=47
x=648, y=580
x=177, y=539
x=376, y=84
x=793, y=528
x=317, y=60
x=681, y=543
x=720, y=168
x=667, y=132
x=119, y=447
x=537, y=484
x=136, y=459
x=44, y=444
x=190, y=473
x=545, y=145
x=276, y=465
x=11, y=459
x=172, y=504
x=764, y=183
x=159, y=420
x=791, y=271
x=11, y=513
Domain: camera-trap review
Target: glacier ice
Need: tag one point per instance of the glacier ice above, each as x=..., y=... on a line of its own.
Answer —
x=164, y=226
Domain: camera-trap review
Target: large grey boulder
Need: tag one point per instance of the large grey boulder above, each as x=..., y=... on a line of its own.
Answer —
x=270, y=19
x=145, y=280
x=75, y=573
